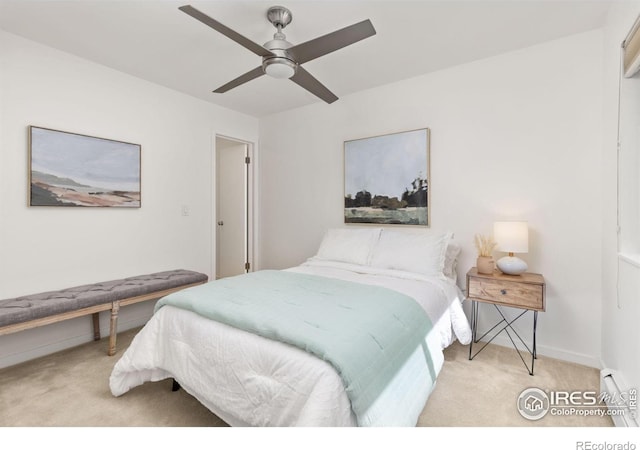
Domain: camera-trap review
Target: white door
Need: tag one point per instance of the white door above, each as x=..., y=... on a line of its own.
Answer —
x=231, y=214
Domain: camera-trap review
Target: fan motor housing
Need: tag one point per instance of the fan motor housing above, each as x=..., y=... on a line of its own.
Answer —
x=279, y=67
x=282, y=65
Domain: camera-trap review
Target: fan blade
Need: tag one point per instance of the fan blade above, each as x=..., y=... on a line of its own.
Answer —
x=307, y=81
x=252, y=74
x=228, y=32
x=331, y=42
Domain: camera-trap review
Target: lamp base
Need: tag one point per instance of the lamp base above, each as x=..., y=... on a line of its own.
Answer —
x=512, y=265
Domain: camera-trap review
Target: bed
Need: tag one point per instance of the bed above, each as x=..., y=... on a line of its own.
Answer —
x=256, y=375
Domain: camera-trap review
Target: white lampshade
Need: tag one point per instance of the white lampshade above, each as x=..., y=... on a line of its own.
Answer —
x=511, y=237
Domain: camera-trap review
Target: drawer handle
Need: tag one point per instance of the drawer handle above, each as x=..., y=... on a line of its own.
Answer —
x=503, y=291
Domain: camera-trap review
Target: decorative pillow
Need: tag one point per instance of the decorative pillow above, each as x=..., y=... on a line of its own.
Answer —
x=418, y=251
x=350, y=245
x=450, y=269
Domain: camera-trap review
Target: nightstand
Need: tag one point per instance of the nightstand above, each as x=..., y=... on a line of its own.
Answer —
x=525, y=292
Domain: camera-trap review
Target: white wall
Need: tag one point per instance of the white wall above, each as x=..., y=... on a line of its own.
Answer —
x=52, y=248
x=517, y=136
x=621, y=280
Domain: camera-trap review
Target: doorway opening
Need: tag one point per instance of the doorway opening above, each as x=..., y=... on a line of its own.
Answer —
x=233, y=222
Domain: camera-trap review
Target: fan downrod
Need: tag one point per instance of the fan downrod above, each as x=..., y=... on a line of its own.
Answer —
x=279, y=16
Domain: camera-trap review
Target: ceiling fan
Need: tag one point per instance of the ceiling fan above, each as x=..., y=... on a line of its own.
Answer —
x=281, y=59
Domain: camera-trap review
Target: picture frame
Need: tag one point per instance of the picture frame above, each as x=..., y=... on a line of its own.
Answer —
x=387, y=179
x=77, y=170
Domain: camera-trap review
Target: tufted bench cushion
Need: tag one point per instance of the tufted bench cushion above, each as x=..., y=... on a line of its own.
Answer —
x=34, y=310
x=29, y=307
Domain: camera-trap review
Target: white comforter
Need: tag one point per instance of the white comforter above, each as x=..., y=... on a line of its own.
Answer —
x=246, y=379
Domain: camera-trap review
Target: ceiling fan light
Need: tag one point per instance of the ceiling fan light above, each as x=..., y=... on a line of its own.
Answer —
x=279, y=68
x=280, y=71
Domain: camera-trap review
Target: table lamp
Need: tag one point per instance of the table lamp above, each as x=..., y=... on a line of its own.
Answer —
x=512, y=237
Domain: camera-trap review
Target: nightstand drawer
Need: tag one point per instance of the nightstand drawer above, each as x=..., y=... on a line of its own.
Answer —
x=522, y=295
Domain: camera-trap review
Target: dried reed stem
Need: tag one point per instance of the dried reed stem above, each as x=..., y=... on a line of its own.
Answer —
x=484, y=245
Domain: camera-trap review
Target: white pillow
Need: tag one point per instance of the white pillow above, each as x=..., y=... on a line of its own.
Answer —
x=350, y=245
x=450, y=269
x=418, y=251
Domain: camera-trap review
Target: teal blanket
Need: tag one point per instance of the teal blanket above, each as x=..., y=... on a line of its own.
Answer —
x=366, y=332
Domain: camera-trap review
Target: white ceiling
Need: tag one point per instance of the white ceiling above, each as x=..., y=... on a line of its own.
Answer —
x=153, y=40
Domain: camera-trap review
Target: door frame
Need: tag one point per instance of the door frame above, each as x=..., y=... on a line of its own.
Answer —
x=252, y=229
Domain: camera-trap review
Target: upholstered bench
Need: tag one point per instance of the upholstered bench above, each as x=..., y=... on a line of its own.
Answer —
x=30, y=311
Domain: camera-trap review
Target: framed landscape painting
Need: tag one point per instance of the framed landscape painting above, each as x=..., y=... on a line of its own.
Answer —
x=386, y=179
x=69, y=169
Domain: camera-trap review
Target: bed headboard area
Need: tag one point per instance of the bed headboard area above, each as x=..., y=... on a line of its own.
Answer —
x=419, y=251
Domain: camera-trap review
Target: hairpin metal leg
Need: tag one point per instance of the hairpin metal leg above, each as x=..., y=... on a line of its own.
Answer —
x=534, y=353
x=474, y=324
x=508, y=329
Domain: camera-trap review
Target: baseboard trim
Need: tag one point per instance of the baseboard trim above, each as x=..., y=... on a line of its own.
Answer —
x=70, y=342
x=556, y=353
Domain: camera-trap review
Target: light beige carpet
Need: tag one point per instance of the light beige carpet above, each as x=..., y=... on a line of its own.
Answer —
x=484, y=391
x=70, y=388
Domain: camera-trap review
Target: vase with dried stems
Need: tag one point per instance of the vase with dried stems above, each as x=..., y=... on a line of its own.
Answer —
x=485, y=245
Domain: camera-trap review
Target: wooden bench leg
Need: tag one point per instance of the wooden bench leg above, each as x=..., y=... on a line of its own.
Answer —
x=113, y=328
x=96, y=326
